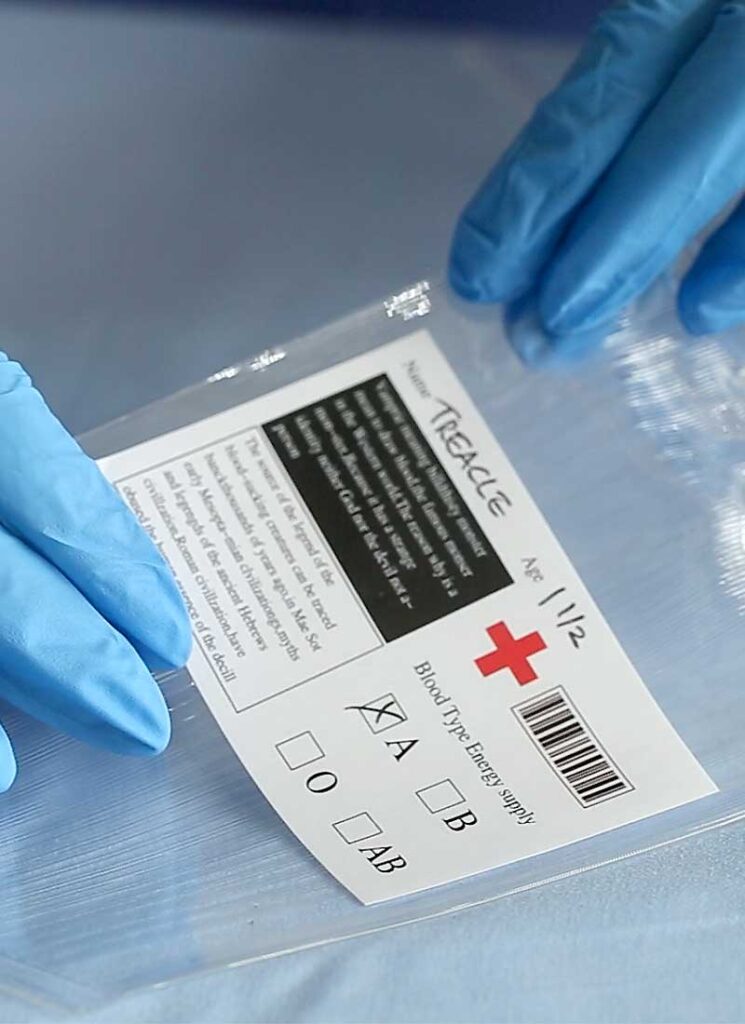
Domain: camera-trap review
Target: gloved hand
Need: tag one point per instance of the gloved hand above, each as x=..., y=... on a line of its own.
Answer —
x=87, y=604
x=639, y=147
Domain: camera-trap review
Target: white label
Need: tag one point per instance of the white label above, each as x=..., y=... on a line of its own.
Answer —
x=389, y=634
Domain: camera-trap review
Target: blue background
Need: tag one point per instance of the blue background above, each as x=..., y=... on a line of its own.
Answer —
x=180, y=189
x=533, y=16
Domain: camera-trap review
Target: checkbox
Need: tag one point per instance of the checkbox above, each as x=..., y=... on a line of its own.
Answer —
x=440, y=796
x=382, y=713
x=357, y=828
x=300, y=750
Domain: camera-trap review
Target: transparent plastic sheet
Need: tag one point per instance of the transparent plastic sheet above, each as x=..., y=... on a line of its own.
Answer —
x=119, y=874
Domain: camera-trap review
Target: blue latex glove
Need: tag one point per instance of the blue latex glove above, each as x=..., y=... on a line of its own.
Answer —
x=639, y=147
x=87, y=604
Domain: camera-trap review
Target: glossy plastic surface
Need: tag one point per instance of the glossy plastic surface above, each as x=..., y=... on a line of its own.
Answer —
x=174, y=866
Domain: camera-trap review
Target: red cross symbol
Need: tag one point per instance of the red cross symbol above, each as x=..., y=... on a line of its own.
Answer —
x=512, y=653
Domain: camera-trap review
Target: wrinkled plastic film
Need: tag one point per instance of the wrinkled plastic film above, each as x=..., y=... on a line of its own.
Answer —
x=117, y=874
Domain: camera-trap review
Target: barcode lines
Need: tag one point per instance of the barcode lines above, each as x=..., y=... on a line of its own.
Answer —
x=570, y=748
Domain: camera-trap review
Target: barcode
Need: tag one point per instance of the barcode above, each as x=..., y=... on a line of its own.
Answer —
x=570, y=747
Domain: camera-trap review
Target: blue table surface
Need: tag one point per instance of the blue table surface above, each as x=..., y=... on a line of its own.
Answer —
x=176, y=193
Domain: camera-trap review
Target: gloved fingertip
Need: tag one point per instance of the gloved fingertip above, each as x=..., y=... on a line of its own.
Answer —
x=8, y=766
x=164, y=640
x=460, y=281
x=156, y=736
x=538, y=347
x=567, y=309
x=139, y=724
x=711, y=300
x=473, y=272
x=116, y=703
x=170, y=640
x=175, y=648
x=533, y=350
x=525, y=332
x=572, y=349
x=695, y=320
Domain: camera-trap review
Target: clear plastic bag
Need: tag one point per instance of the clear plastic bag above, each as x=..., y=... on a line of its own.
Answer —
x=117, y=874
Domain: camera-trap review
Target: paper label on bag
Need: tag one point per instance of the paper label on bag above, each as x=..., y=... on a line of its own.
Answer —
x=389, y=634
